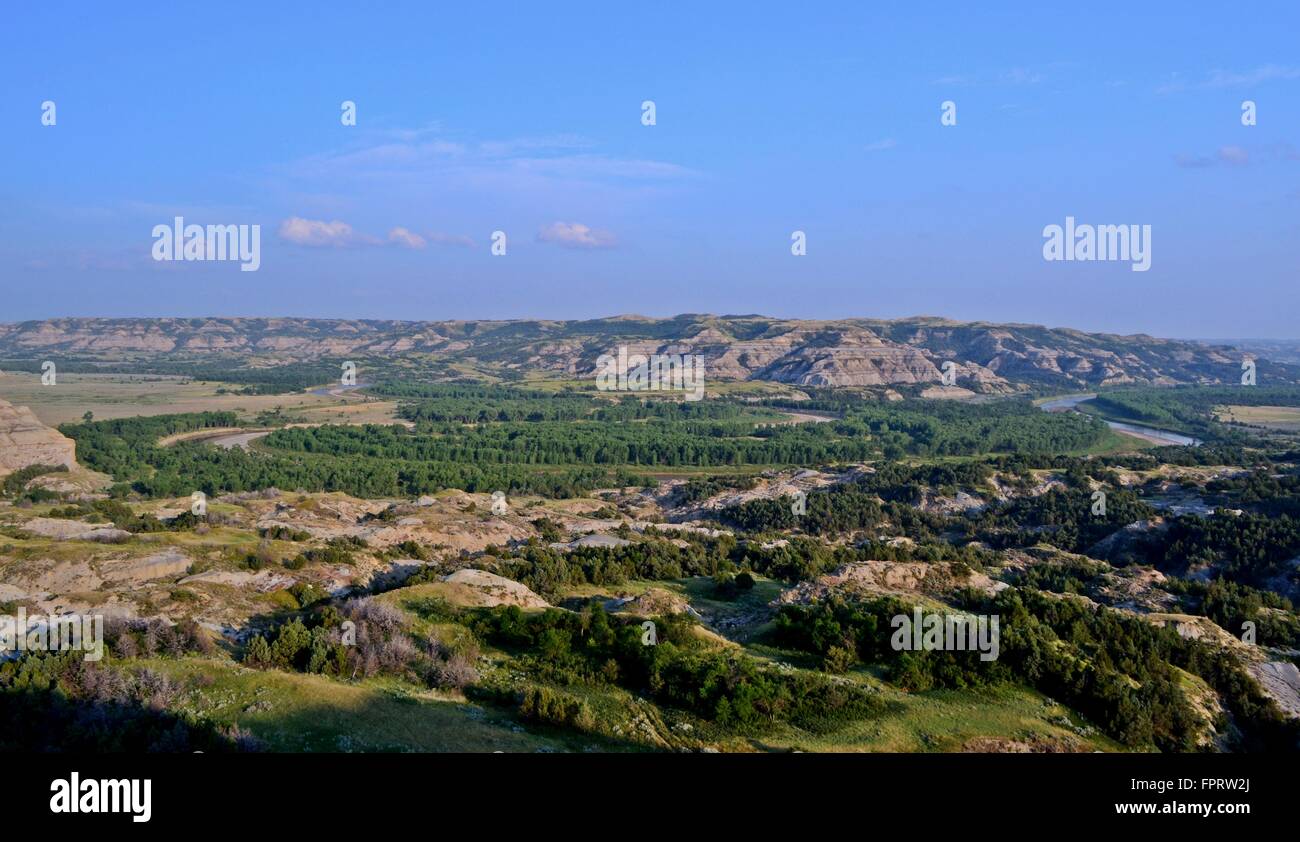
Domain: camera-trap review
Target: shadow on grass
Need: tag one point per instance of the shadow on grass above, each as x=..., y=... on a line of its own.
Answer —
x=34, y=720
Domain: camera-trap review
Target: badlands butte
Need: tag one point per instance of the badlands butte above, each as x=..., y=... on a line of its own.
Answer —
x=25, y=441
x=461, y=551
x=846, y=352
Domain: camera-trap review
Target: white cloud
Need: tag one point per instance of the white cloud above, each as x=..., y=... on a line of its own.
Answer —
x=320, y=234
x=575, y=235
x=312, y=232
x=489, y=182
x=406, y=238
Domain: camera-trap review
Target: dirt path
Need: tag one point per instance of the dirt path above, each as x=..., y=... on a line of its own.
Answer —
x=228, y=437
x=238, y=440
x=198, y=435
x=806, y=417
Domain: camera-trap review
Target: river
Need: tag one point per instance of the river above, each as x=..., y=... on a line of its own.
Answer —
x=1067, y=403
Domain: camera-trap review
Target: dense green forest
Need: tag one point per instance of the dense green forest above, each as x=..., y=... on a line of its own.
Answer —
x=951, y=428
x=681, y=434
x=482, y=438
x=653, y=443
x=478, y=404
x=127, y=450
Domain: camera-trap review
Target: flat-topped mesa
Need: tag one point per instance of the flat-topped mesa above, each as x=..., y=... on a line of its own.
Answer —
x=25, y=441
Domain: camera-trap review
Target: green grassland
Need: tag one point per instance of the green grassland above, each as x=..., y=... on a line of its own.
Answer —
x=954, y=720
x=298, y=712
x=109, y=396
x=294, y=712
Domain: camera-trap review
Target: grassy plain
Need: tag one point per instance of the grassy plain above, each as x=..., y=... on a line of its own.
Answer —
x=299, y=712
x=111, y=396
x=1283, y=418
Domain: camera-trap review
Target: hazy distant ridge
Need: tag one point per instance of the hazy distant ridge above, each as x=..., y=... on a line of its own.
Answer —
x=845, y=352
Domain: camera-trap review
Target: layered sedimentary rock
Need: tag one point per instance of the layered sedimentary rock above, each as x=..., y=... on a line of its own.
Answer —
x=25, y=441
x=844, y=352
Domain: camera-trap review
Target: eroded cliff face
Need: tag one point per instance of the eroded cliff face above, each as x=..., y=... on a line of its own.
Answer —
x=25, y=441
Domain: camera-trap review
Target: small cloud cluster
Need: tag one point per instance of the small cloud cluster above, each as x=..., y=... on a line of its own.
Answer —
x=316, y=233
x=406, y=238
x=575, y=235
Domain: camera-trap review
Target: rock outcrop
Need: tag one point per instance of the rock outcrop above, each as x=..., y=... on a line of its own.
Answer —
x=25, y=441
x=888, y=578
x=167, y=563
x=492, y=590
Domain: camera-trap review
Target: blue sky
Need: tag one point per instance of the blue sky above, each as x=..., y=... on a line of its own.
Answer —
x=771, y=118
